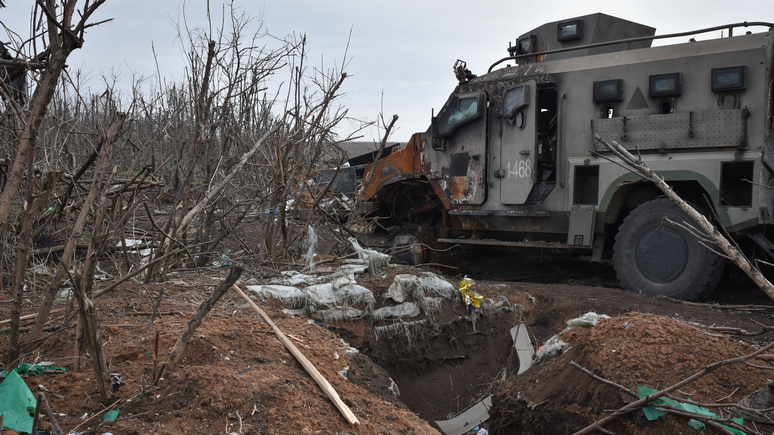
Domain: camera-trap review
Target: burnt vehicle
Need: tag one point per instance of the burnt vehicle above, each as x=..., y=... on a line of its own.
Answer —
x=510, y=160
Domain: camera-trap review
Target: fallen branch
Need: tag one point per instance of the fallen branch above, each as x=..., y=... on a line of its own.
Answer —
x=30, y=316
x=198, y=318
x=321, y=381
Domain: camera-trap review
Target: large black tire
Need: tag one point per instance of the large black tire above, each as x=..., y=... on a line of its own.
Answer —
x=408, y=248
x=656, y=258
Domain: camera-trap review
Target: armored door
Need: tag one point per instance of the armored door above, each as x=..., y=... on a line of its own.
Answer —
x=517, y=143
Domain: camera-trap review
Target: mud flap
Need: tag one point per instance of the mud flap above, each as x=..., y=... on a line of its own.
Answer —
x=581, y=232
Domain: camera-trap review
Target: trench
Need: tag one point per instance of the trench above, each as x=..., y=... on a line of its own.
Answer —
x=447, y=363
x=445, y=360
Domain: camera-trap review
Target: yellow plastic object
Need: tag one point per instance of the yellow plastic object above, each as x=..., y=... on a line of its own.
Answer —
x=468, y=295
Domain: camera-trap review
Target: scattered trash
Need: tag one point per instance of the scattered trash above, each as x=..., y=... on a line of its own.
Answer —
x=587, y=320
x=374, y=259
x=394, y=388
x=652, y=413
x=41, y=270
x=309, y=244
x=65, y=293
x=110, y=416
x=553, y=346
x=468, y=295
x=116, y=381
x=343, y=372
x=17, y=402
x=468, y=420
x=762, y=400
x=523, y=345
x=37, y=369
x=413, y=287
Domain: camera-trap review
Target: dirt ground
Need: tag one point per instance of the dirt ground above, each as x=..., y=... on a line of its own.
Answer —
x=236, y=376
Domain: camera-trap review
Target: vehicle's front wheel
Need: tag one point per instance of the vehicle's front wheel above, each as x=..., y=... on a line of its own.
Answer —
x=656, y=258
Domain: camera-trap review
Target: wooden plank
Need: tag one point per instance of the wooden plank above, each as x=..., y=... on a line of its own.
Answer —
x=29, y=316
x=308, y=366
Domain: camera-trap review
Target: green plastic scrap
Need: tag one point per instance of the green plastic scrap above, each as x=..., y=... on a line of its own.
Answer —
x=110, y=416
x=17, y=403
x=38, y=368
x=652, y=413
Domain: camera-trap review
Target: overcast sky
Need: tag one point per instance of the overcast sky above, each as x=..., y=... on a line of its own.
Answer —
x=401, y=51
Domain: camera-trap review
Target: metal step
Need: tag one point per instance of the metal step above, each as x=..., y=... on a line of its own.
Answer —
x=505, y=243
x=764, y=244
x=507, y=213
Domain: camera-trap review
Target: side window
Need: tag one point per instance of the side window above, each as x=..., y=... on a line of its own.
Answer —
x=514, y=100
x=460, y=111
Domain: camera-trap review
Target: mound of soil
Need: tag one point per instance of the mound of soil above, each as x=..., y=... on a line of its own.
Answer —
x=235, y=375
x=632, y=350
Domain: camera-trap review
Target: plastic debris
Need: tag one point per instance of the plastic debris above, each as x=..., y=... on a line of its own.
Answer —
x=468, y=295
x=331, y=295
x=110, y=416
x=406, y=309
x=337, y=314
x=762, y=400
x=374, y=259
x=283, y=293
x=652, y=412
x=587, y=320
x=467, y=420
x=37, y=369
x=412, y=287
x=17, y=403
x=309, y=245
x=523, y=345
x=116, y=382
x=553, y=346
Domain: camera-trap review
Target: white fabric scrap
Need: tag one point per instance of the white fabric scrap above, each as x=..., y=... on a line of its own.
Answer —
x=374, y=259
x=587, y=320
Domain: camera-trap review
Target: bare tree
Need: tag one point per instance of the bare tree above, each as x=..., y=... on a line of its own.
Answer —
x=63, y=35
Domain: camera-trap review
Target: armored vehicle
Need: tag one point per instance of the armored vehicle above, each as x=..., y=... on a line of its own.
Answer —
x=511, y=160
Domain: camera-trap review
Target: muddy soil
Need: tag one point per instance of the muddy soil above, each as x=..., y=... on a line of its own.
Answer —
x=236, y=377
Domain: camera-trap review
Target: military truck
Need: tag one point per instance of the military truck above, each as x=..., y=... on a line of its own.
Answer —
x=510, y=160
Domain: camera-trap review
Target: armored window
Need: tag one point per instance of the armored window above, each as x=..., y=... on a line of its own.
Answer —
x=526, y=45
x=608, y=90
x=569, y=30
x=514, y=100
x=460, y=111
x=664, y=85
x=729, y=79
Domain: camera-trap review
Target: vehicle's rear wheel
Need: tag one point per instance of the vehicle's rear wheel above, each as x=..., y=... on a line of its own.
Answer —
x=656, y=258
x=407, y=248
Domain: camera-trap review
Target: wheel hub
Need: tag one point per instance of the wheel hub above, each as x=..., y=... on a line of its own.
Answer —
x=407, y=249
x=662, y=255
